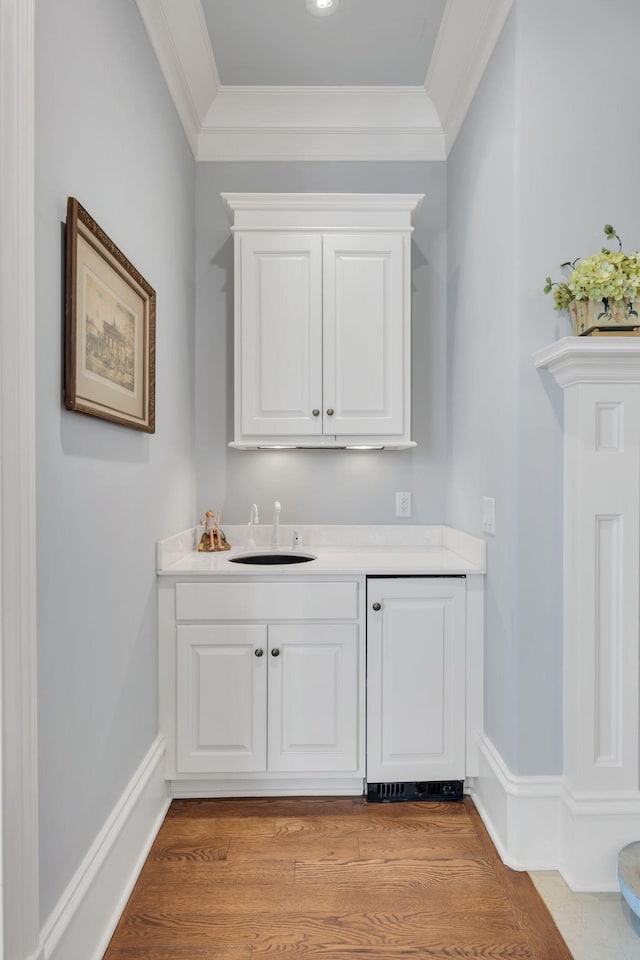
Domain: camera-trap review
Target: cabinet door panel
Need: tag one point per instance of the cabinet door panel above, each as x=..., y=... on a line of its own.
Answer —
x=313, y=697
x=416, y=680
x=364, y=334
x=221, y=698
x=281, y=333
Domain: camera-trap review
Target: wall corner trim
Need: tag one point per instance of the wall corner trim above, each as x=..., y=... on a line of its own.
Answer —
x=180, y=41
x=466, y=39
x=82, y=922
x=18, y=641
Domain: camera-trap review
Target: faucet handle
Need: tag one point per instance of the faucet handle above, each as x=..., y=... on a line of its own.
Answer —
x=296, y=540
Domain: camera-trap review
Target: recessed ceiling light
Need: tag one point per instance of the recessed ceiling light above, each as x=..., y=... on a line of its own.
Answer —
x=321, y=8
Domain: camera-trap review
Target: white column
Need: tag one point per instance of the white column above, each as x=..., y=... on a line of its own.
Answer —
x=601, y=382
x=20, y=914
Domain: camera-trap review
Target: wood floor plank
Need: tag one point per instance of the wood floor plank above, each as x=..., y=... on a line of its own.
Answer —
x=434, y=845
x=333, y=880
x=219, y=827
x=200, y=847
x=377, y=932
x=292, y=846
x=429, y=812
x=174, y=951
x=329, y=886
x=196, y=809
x=218, y=873
x=434, y=951
x=320, y=825
x=210, y=894
x=400, y=873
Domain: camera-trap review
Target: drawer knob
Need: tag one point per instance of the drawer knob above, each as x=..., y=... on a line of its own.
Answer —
x=315, y=412
x=330, y=412
x=259, y=652
x=376, y=606
x=275, y=652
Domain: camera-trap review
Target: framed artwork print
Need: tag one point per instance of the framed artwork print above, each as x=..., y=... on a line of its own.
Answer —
x=110, y=321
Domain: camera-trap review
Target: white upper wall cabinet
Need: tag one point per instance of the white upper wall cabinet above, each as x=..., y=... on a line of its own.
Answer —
x=322, y=319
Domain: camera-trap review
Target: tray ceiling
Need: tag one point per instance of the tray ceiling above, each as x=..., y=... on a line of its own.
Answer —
x=364, y=43
x=377, y=80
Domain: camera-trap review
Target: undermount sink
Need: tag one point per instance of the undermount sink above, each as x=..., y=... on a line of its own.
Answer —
x=273, y=557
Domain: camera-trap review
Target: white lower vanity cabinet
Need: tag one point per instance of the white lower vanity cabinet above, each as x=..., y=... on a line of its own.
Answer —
x=268, y=690
x=416, y=679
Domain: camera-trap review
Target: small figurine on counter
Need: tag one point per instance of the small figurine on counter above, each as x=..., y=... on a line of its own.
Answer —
x=212, y=539
x=209, y=524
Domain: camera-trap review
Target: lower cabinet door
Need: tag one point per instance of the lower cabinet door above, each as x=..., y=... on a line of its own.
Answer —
x=221, y=698
x=313, y=697
x=415, y=679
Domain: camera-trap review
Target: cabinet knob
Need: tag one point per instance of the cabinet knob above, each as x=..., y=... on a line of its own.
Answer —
x=275, y=652
x=316, y=412
x=330, y=412
x=376, y=606
x=259, y=652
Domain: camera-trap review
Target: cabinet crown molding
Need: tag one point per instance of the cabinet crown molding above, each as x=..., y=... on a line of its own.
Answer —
x=574, y=360
x=322, y=211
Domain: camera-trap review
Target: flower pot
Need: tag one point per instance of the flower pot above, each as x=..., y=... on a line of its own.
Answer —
x=594, y=316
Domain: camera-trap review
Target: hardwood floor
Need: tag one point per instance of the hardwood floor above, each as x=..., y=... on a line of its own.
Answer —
x=333, y=879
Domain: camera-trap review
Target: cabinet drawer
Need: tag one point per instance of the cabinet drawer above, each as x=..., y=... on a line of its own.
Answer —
x=267, y=601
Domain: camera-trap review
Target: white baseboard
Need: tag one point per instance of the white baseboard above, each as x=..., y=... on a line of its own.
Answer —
x=538, y=823
x=520, y=813
x=83, y=920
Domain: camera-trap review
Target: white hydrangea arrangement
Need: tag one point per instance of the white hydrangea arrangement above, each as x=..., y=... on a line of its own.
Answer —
x=607, y=275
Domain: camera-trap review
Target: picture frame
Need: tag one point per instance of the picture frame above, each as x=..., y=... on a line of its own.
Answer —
x=110, y=328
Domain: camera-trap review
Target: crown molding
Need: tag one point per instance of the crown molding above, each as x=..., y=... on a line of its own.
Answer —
x=313, y=212
x=333, y=202
x=321, y=123
x=180, y=39
x=466, y=39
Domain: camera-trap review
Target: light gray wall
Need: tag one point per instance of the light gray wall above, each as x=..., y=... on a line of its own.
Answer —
x=482, y=351
x=320, y=486
x=532, y=179
x=107, y=133
x=573, y=179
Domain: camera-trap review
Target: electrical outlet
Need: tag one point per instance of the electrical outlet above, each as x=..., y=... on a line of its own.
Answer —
x=489, y=515
x=403, y=504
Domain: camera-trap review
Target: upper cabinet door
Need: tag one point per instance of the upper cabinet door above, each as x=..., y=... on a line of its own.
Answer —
x=366, y=334
x=278, y=291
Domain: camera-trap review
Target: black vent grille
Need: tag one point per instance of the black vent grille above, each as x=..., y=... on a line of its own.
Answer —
x=435, y=790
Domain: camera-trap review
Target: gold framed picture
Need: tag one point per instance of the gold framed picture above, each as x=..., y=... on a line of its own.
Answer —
x=110, y=328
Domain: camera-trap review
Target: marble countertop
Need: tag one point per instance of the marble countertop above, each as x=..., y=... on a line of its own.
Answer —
x=340, y=550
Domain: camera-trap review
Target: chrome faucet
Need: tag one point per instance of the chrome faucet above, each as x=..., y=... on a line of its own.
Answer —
x=251, y=544
x=275, y=535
